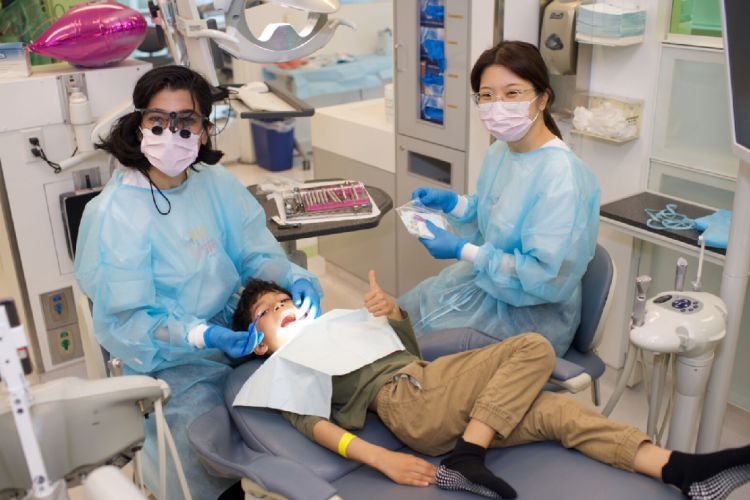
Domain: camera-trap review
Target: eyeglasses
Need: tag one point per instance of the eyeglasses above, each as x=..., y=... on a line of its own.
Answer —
x=486, y=96
x=187, y=122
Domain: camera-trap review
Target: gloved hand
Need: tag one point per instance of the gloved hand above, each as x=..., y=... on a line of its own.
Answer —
x=306, y=297
x=439, y=199
x=235, y=344
x=445, y=245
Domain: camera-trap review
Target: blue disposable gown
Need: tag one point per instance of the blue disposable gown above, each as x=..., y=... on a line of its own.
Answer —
x=152, y=277
x=535, y=218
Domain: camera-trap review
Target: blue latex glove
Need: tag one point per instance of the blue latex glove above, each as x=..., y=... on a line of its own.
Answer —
x=306, y=297
x=715, y=228
x=440, y=199
x=235, y=344
x=445, y=245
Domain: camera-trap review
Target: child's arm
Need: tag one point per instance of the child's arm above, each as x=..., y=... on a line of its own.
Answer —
x=379, y=303
x=401, y=468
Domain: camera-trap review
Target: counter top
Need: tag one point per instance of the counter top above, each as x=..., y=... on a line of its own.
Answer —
x=629, y=215
x=357, y=130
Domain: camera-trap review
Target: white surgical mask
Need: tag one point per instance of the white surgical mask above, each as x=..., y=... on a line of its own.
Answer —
x=168, y=151
x=507, y=121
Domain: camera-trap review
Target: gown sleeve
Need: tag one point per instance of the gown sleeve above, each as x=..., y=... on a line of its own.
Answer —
x=557, y=238
x=466, y=226
x=114, y=269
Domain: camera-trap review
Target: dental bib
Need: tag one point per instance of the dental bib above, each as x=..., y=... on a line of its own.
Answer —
x=297, y=377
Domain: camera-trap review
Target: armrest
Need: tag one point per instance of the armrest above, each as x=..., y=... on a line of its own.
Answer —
x=451, y=341
x=565, y=370
x=570, y=376
x=289, y=479
x=566, y=374
x=223, y=453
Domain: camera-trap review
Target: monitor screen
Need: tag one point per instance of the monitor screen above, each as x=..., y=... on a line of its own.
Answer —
x=737, y=45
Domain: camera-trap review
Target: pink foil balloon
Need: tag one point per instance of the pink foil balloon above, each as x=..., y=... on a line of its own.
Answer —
x=93, y=34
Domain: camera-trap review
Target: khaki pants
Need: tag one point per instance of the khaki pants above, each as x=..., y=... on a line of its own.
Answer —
x=429, y=405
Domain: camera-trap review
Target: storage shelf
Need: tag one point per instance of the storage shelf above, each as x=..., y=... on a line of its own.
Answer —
x=603, y=137
x=608, y=41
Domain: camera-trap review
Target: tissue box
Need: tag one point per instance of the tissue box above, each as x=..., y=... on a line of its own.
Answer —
x=610, y=24
x=14, y=61
x=615, y=119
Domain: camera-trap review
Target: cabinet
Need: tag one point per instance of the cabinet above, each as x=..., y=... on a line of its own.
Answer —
x=356, y=141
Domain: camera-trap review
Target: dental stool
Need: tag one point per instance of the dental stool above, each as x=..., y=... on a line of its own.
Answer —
x=259, y=445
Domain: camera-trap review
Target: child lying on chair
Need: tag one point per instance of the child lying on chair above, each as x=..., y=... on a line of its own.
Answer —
x=464, y=403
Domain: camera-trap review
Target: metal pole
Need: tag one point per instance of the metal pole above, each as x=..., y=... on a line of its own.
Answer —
x=733, y=289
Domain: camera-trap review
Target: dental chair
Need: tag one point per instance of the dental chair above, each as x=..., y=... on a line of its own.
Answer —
x=274, y=459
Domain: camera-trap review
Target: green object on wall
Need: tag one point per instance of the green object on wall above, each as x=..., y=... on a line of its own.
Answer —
x=696, y=17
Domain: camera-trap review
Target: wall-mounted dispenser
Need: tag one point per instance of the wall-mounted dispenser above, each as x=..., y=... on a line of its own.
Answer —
x=557, y=40
x=568, y=62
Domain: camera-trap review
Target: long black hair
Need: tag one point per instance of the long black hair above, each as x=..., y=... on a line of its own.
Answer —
x=524, y=60
x=124, y=141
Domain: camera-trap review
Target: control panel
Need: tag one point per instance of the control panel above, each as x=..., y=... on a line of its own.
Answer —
x=61, y=322
x=679, y=303
x=689, y=323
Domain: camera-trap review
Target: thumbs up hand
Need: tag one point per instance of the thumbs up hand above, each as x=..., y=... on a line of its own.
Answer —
x=379, y=303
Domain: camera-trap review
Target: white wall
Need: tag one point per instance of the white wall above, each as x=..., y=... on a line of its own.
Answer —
x=622, y=168
x=369, y=18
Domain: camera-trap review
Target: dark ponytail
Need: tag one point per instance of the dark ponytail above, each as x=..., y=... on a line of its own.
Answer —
x=524, y=60
x=124, y=142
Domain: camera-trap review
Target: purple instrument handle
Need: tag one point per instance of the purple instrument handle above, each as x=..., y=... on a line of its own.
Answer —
x=335, y=205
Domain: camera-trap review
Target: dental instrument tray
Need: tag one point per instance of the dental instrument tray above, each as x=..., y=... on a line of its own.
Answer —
x=338, y=198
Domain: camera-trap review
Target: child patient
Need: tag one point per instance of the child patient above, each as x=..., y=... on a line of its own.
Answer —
x=464, y=403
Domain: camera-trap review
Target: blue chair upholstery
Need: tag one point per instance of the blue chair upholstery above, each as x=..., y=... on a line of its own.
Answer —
x=597, y=287
x=598, y=284
x=260, y=445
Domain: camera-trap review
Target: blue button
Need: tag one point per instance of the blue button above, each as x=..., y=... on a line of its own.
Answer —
x=57, y=298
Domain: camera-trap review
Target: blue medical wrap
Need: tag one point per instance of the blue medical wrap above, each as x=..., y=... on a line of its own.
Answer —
x=152, y=277
x=535, y=218
x=715, y=228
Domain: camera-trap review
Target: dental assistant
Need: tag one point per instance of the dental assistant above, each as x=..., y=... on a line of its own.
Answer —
x=162, y=252
x=527, y=235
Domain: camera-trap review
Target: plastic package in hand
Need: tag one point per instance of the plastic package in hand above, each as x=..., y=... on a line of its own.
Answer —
x=414, y=215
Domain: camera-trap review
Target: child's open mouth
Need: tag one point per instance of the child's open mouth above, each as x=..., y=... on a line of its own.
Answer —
x=288, y=320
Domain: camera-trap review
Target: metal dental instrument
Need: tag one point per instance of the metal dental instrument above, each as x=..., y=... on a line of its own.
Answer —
x=642, y=284
x=250, y=329
x=679, y=279
x=697, y=284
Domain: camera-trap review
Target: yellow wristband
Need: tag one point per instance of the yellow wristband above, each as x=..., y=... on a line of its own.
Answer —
x=344, y=443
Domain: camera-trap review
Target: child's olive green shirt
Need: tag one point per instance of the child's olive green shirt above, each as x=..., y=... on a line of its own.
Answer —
x=352, y=393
